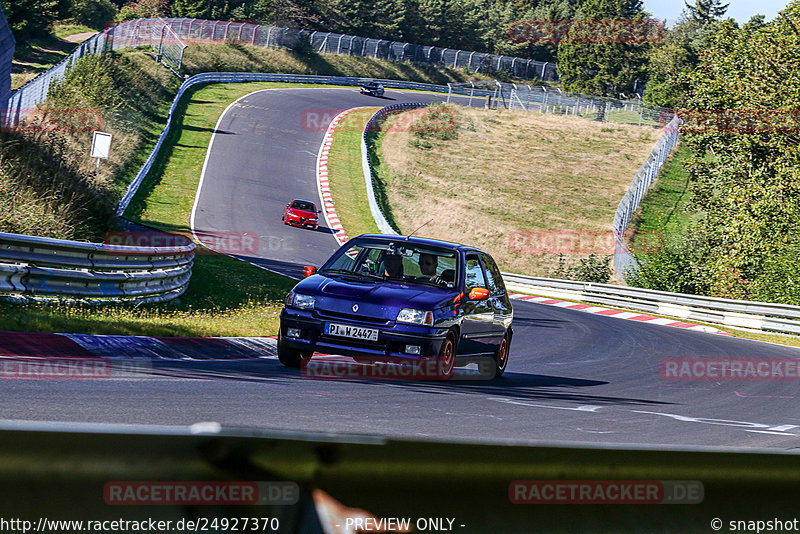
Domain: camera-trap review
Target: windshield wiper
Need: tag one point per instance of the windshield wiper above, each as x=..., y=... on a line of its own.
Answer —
x=352, y=273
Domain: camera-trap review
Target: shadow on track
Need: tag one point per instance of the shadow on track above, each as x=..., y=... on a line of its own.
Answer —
x=511, y=387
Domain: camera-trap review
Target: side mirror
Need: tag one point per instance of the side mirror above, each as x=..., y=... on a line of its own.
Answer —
x=308, y=270
x=319, y=211
x=478, y=293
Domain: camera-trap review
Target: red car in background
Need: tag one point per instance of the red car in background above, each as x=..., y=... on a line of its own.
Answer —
x=301, y=213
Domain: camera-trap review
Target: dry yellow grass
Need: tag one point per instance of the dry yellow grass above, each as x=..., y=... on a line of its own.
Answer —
x=509, y=172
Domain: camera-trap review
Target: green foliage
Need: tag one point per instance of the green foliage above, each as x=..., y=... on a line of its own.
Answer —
x=93, y=13
x=673, y=266
x=143, y=9
x=29, y=18
x=745, y=181
x=606, y=67
x=705, y=11
x=595, y=268
x=672, y=61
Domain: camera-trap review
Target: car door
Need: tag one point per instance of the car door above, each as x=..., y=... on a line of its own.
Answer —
x=477, y=324
x=498, y=300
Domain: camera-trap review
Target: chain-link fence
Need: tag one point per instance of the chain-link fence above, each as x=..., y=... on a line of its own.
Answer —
x=551, y=100
x=6, y=55
x=623, y=259
x=194, y=30
x=169, y=37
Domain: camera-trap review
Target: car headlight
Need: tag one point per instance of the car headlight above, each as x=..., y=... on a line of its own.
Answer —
x=407, y=315
x=300, y=301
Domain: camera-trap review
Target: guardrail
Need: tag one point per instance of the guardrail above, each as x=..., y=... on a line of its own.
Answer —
x=373, y=124
x=42, y=268
x=241, y=77
x=762, y=316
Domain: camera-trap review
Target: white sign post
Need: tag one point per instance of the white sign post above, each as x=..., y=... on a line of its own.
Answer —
x=101, y=146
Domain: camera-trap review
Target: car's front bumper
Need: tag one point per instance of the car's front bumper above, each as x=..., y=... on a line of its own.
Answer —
x=310, y=223
x=393, y=339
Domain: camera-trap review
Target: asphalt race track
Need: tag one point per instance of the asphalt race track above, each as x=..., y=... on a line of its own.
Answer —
x=573, y=377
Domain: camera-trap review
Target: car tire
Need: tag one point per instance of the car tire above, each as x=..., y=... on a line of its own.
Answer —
x=496, y=366
x=446, y=361
x=292, y=357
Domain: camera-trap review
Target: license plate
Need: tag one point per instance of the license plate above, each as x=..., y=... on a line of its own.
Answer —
x=354, y=332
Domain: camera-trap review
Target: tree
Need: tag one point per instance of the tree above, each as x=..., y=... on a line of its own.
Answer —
x=93, y=13
x=29, y=18
x=191, y=9
x=606, y=64
x=745, y=164
x=705, y=11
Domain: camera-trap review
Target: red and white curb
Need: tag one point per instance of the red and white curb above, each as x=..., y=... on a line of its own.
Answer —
x=44, y=345
x=608, y=312
x=323, y=185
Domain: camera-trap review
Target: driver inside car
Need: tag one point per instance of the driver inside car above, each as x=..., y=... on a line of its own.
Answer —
x=428, y=264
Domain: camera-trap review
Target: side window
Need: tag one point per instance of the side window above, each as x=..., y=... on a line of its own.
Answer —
x=493, y=276
x=474, y=272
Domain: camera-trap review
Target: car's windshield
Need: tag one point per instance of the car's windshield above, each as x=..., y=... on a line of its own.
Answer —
x=303, y=205
x=397, y=260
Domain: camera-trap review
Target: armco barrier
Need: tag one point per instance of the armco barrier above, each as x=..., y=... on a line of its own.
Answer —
x=763, y=316
x=38, y=267
x=239, y=77
x=373, y=124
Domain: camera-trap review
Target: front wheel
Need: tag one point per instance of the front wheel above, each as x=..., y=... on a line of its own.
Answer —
x=292, y=357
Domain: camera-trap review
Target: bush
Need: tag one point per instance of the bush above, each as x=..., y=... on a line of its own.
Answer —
x=438, y=121
x=143, y=9
x=93, y=13
x=675, y=267
x=29, y=18
x=595, y=268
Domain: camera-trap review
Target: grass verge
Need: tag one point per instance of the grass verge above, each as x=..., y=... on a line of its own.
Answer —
x=521, y=185
x=346, y=174
x=226, y=297
x=663, y=212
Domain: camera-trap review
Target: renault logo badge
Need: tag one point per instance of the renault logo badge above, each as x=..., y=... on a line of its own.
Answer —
x=355, y=307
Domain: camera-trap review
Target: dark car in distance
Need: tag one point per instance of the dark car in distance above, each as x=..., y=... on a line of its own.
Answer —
x=372, y=88
x=301, y=213
x=395, y=298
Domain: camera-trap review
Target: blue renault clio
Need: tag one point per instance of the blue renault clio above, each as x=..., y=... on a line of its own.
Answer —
x=400, y=299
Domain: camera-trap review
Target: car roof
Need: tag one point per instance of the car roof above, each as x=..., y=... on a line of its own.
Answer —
x=423, y=241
